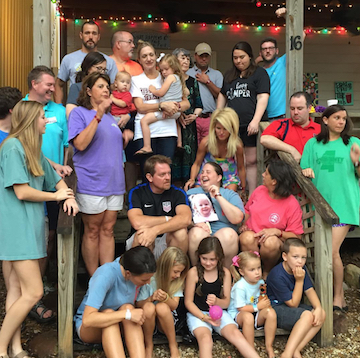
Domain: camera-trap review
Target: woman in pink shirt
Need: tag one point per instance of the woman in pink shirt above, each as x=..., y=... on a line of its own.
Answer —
x=272, y=215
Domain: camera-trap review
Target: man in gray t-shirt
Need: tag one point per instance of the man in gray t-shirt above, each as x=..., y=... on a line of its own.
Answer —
x=71, y=63
x=210, y=83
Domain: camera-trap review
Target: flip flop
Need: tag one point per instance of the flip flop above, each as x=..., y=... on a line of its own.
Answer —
x=345, y=308
x=337, y=308
x=40, y=317
x=142, y=152
x=21, y=354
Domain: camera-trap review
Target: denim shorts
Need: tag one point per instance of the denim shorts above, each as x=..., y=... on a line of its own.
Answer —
x=194, y=322
x=288, y=316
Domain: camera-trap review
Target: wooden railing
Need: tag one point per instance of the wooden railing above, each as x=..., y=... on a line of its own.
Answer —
x=318, y=218
x=68, y=251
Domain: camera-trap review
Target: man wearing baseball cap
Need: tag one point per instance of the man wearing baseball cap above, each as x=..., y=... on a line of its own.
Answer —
x=210, y=83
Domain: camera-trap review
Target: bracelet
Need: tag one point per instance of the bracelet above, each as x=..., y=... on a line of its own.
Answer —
x=217, y=194
x=208, y=81
x=203, y=317
x=166, y=218
x=281, y=234
x=179, y=106
x=98, y=119
x=167, y=297
x=128, y=315
x=160, y=109
x=356, y=164
x=255, y=307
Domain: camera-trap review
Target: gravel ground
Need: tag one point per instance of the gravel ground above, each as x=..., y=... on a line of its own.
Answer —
x=345, y=344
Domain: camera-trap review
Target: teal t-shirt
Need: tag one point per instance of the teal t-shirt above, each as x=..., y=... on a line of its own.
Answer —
x=22, y=223
x=335, y=176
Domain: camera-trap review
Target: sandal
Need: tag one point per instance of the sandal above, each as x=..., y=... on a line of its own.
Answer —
x=40, y=317
x=142, y=152
x=21, y=354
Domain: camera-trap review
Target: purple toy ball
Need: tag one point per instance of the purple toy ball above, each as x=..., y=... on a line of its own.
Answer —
x=215, y=312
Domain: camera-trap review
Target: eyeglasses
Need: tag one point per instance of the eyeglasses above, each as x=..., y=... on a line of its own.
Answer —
x=272, y=48
x=128, y=41
x=101, y=69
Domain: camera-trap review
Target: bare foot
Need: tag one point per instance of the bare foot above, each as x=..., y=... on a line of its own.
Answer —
x=174, y=352
x=270, y=352
x=296, y=354
x=149, y=351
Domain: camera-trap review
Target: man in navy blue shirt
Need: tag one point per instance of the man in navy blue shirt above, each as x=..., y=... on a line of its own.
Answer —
x=158, y=211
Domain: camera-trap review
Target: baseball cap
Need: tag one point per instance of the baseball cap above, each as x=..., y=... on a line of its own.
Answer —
x=202, y=48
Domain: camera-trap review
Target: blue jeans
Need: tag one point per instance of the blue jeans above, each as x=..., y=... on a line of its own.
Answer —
x=163, y=145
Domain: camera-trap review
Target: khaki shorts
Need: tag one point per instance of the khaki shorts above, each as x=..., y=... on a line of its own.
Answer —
x=91, y=204
x=160, y=245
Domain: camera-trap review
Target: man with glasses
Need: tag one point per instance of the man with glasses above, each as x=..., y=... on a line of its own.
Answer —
x=276, y=68
x=71, y=63
x=122, y=44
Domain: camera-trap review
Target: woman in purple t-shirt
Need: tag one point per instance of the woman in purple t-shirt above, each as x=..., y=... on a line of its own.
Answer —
x=98, y=161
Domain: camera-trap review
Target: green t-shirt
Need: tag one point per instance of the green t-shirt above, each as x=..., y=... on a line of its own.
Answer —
x=335, y=176
x=22, y=223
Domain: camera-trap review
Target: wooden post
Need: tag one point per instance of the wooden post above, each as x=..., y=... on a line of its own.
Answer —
x=324, y=277
x=68, y=242
x=42, y=32
x=294, y=48
x=66, y=245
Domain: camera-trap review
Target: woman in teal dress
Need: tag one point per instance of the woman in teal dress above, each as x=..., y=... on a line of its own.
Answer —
x=331, y=159
x=24, y=174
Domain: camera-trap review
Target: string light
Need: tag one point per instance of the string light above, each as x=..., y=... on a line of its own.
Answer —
x=217, y=26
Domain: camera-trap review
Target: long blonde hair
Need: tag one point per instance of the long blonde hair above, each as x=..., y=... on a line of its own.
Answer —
x=171, y=257
x=228, y=118
x=25, y=127
x=174, y=64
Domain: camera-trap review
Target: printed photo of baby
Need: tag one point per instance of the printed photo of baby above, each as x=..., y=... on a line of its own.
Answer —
x=202, y=208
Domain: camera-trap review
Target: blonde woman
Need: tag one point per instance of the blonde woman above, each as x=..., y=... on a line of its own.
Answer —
x=165, y=290
x=224, y=147
x=24, y=174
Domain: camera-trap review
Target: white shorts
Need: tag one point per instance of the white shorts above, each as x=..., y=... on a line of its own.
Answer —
x=92, y=204
x=256, y=316
x=160, y=245
x=194, y=322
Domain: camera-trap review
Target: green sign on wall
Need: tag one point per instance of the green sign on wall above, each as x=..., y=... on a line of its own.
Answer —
x=344, y=93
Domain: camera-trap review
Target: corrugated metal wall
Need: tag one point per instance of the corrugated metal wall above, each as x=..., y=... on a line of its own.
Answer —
x=16, y=43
